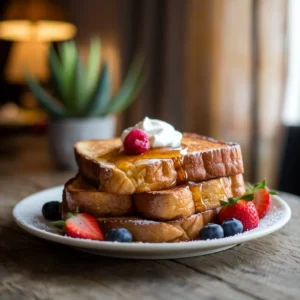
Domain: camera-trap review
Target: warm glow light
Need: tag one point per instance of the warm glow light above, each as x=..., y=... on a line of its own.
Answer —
x=43, y=31
x=27, y=56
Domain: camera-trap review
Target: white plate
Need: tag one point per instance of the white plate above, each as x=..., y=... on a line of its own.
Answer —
x=27, y=214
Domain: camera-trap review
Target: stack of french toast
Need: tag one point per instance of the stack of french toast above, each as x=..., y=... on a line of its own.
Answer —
x=165, y=194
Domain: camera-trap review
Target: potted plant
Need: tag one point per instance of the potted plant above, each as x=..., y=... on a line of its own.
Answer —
x=80, y=105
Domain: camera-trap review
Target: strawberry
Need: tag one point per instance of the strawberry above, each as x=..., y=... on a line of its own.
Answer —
x=240, y=209
x=262, y=198
x=262, y=202
x=81, y=225
x=248, y=208
x=136, y=142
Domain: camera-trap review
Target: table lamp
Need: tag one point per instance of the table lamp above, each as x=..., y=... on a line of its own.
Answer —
x=32, y=25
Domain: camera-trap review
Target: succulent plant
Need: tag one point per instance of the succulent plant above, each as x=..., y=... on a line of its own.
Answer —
x=84, y=90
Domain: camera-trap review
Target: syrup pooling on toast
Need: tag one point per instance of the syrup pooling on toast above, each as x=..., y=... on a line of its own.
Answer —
x=209, y=192
x=197, y=196
x=124, y=162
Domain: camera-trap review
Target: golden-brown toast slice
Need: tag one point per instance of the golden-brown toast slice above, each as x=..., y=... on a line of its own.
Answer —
x=186, y=199
x=171, y=204
x=79, y=193
x=181, y=230
x=199, y=158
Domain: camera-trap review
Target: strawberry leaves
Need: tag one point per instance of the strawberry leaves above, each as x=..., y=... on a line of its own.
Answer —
x=231, y=201
x=272, y=193
x=258, y=186
x=60, y=225
x=249, y=196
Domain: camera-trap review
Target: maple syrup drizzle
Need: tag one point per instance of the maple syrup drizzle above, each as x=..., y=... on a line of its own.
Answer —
x=121, y=160
x=197, y=195
x=204, y=193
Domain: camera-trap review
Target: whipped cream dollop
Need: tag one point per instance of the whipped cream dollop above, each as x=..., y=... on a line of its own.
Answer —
x=160, y=133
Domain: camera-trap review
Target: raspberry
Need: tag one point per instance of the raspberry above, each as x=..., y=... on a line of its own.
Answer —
x=136, y=142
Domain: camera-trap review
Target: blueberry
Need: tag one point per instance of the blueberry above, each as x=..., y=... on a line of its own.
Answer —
x=51, y=211
x=121, y=235
x=232, y=227
x=211, y=231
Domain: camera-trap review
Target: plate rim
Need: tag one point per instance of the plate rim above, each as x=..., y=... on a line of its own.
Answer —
x=139, y=246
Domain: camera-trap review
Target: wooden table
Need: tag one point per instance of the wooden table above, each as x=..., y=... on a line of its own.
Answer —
x=31, y=268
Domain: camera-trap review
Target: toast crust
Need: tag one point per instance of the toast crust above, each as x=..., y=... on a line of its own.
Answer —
x=199, y=158
x=79, y=193
x=164, y=205
x=181, y=230
x=187, y=199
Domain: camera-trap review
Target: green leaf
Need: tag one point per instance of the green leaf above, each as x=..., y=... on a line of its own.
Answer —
x=232, y=201
x=223, y=203
x=92, y=68
x=247, y=197
x=249, y=186
x=69, y=215
x=60, y=226
x=69, y=56
x=272, y=193
x=56, y=74
x=59, y=223
x=131, y=86
x=45, y=99
x=79, y=89
x=100, y=100
x=256, y=186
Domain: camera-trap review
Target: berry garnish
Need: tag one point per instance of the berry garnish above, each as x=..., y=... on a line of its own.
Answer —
x=51, y=211
x=121, y=235
x=136, y=142
x=249, y=207
x=81, y=225
x=262, y=198
x=262, y=202
x=240, y=209
x=211, y=231
x=232, y=227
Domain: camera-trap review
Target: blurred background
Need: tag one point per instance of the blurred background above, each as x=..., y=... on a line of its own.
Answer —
x=223, y=68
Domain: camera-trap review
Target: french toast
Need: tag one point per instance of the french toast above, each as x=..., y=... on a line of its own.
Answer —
x=180, y=230
x=164, y=205
x=80, y=193
x=104, y=163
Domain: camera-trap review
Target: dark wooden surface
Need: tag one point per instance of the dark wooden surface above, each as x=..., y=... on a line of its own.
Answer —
x=31, y=268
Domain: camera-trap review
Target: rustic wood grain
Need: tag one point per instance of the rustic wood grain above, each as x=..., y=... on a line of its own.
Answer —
x=31, y=268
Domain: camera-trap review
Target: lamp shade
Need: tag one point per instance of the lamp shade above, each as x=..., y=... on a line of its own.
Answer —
x=35, y=20
x=27, y=56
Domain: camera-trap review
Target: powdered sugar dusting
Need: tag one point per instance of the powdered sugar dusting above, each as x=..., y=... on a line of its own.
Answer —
x=274, y=216
x=133, y=220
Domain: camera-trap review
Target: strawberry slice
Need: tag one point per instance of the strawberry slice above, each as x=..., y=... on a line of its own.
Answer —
x=262, y=202
x=81, y=225
x=261, y=197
